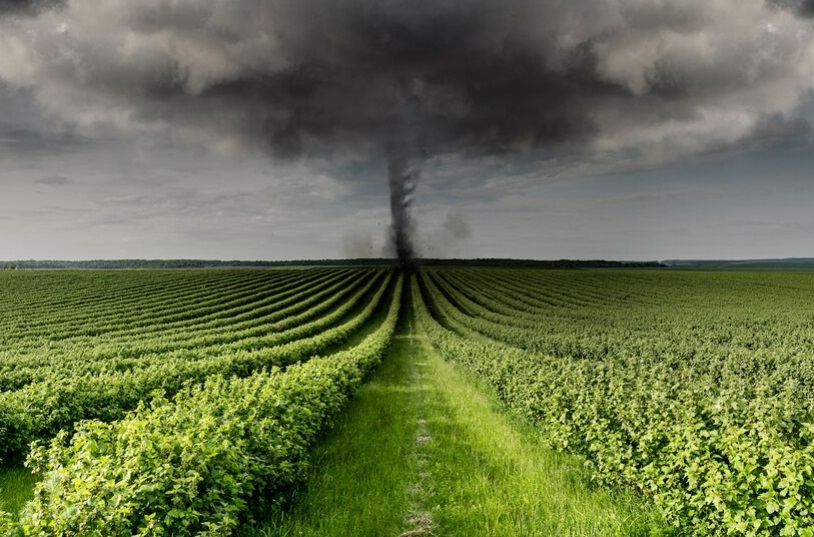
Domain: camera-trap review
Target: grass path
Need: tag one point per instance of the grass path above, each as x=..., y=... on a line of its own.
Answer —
x=424, y=450
x=353, y=476
x=16, y=486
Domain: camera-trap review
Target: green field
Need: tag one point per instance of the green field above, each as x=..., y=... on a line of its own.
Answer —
x=364, y=401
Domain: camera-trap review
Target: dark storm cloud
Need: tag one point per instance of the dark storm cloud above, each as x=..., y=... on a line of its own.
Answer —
x=803, y=8
x=641, y=82
x=475, y=76
x=26, y=7
x=355, y=69
x=777, y=129
x=609, y=85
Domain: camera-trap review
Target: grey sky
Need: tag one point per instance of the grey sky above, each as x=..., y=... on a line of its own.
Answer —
x=622, y=129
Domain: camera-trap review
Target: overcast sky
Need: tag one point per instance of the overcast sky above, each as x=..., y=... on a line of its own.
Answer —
x=245, y=129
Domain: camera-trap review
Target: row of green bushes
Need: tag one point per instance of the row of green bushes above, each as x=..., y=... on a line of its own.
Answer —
x=729, y=326
x=196, y=464
x=734, y=461
x=90, y=354
x=42, y=409
x=70, y=302
x=171, y=314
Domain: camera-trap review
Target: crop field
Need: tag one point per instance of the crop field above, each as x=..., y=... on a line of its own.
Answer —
x=230, y=402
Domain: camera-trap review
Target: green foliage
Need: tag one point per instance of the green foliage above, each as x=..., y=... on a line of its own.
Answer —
x=194, y=465
x=63, y=375
x=693, y=389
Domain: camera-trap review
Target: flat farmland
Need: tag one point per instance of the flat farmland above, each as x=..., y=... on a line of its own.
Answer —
x=206, y=402
x=693, y=388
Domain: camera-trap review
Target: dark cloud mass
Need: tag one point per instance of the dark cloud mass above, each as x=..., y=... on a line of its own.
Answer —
x=26, y=7
x=803, y=8
x=652, y=80
x=53, y=180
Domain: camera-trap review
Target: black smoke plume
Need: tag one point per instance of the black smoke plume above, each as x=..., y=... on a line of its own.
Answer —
x=403, y=180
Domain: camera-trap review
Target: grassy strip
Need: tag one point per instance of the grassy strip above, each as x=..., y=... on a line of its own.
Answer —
x=423, y=451
x=489, y=473
x=357, y=485
x=16, y=488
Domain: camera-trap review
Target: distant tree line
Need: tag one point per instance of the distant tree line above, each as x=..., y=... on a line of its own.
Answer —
x=536, y=263
x=112, y=264
x=107, y=264
x=791, y=263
